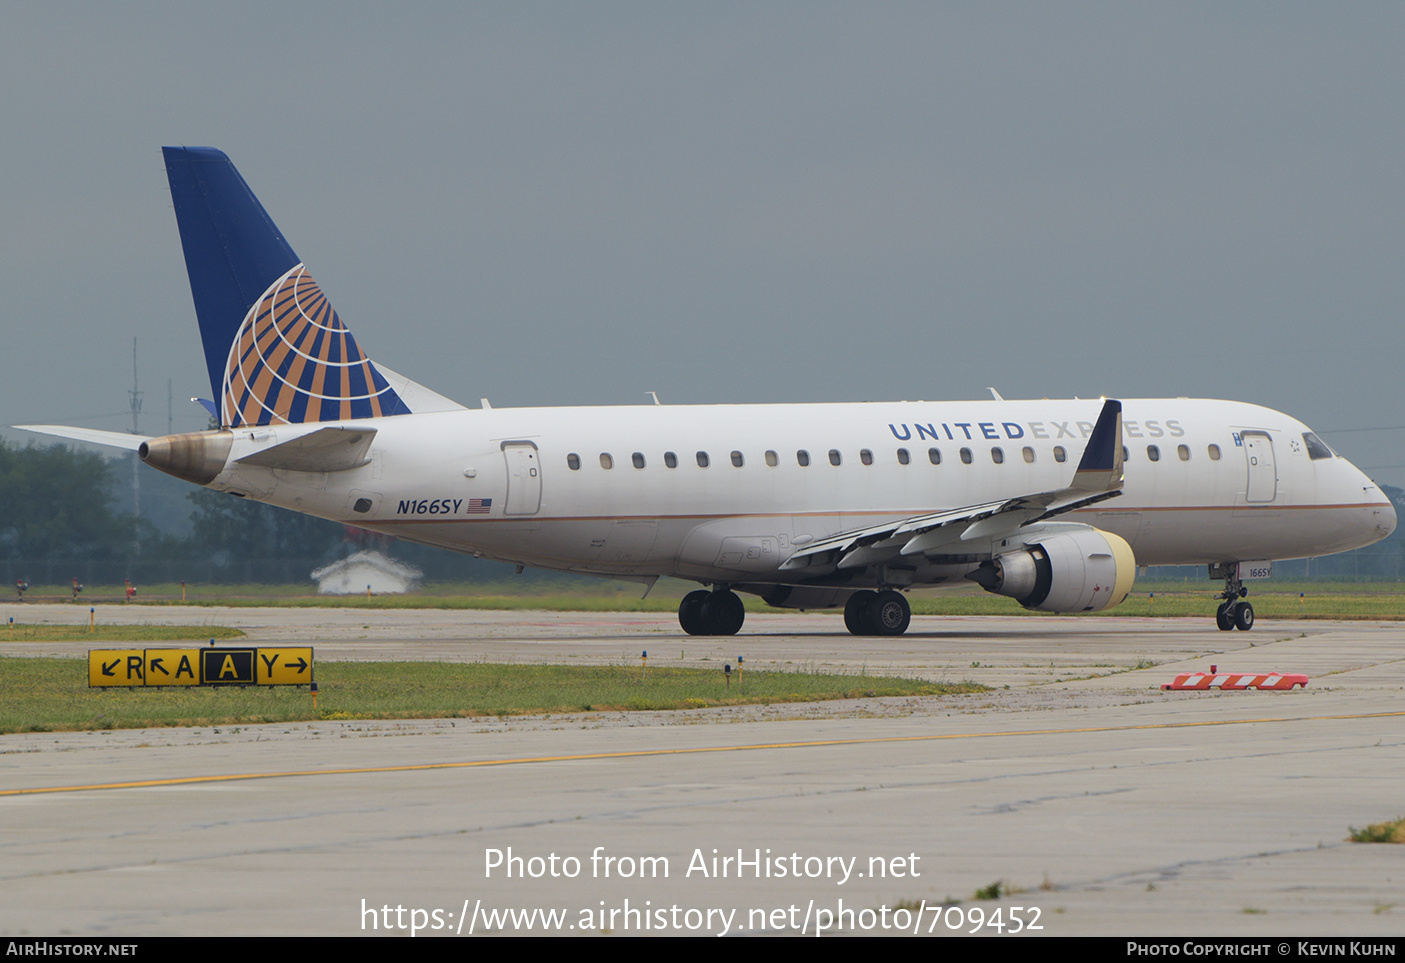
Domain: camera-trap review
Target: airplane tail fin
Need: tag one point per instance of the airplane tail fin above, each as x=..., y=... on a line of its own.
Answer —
x=276, y=350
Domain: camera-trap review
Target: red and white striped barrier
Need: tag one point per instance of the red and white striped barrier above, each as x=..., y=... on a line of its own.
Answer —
x=1237, y=680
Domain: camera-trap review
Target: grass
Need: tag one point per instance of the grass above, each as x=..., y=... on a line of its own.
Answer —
x=52, y=694
x=20, y=632
x=1392, y=831
x=994, y=891
x=1272, y=600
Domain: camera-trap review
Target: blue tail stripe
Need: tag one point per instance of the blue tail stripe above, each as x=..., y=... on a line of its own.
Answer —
x=297, y=411
x=331, y=385
x=356, y=381
x=315, y=351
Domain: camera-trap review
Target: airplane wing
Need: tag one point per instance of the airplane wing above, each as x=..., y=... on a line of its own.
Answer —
x=1097, y=478
x=94, y=436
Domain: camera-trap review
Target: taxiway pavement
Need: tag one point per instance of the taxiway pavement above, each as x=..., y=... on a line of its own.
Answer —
x=1101, y=804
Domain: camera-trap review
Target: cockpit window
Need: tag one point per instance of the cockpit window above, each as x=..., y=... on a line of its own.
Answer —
x=1315, y=448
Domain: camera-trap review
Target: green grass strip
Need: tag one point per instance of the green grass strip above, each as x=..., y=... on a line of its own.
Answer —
x=42, y=695
x=1150, y=597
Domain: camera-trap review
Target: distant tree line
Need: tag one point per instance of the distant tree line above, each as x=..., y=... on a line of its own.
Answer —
x=59, y=520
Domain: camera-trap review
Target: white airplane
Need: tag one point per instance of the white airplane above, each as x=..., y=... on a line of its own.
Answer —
x=1053, y=503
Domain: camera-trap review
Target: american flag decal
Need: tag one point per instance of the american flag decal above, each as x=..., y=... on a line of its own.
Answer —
x=478, y=506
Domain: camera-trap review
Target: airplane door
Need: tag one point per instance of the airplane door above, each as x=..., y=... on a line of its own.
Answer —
x=524, y=478
x=1263, y=473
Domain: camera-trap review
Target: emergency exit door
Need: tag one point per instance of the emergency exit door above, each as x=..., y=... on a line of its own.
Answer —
x=524, y=478
x=1263, y=473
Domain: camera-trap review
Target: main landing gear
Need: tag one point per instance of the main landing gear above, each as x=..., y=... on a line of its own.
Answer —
x=719, y=612
x=877, y=613
x=1234, y=612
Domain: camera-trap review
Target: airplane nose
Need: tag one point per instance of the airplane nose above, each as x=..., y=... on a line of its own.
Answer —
x=1382, y=518
x=1386, y=521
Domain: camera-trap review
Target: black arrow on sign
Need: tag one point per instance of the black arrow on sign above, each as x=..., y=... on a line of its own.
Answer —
x=107, y=669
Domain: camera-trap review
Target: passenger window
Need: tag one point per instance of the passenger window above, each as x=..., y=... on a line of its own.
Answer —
x=866, y=456
x=902, y=456
x=670, y=459
x=606, y=461
x=736, y=459
x=1060, y=455
x=702, y=459
x=772, y=460
x=965, y=456
x=1153, y=453
x=1184, y=452
x=1028, y=455
x=1214, y=452
x=1126, y=455
x=573, y=461
x=834, y=458
x=934, y=455
x=638, y=459
x=997, y=455
x=802, y=458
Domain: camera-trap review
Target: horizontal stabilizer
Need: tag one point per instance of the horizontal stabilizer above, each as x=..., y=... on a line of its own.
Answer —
x=326, y=449
x=112, y=439
x=416, y=396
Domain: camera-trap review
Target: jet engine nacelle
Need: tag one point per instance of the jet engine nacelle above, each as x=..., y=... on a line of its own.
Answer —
x=1082, y=570
x=195, y=457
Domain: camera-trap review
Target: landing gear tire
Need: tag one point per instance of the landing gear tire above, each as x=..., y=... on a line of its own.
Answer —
x=889, y=614
x=722, y=613
x=1234, y=612
x=690, y=612
x=858, y=612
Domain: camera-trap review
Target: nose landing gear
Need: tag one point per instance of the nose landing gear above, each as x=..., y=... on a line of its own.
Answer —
x=1234, y=612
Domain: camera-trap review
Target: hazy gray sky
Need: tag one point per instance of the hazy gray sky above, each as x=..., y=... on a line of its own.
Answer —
x=576, y=203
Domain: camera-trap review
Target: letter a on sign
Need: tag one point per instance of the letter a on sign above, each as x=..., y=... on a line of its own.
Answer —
x=227, y=666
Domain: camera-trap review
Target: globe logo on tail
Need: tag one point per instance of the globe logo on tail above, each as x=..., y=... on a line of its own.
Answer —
x=294, y=361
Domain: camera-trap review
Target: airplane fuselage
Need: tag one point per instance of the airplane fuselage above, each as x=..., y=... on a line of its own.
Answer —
x=726, y=493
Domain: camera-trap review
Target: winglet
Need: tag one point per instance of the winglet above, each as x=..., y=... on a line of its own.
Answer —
x=1101, y=467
